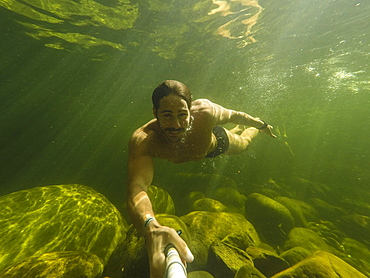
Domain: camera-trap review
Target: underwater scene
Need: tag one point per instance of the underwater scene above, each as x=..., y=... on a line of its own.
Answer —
x=76, y=80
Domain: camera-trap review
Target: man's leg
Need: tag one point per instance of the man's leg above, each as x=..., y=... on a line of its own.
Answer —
x=239, y=143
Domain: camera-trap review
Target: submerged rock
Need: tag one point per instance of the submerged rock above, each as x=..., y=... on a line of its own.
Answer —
x=267, y=262
x=161, y=200
x=57, y=265
x=186, y=204
x=321, y=265
x=208, y=204
x=271, y=219
x=307, y=239
x=356, y=226
x=208, y=227
x=189, y=182
x=249, y=271
x=199, y=274
x=225, y=260
x=295, y=255
x=357, y=255
x=55, y=218
x=241, y=240
x=301, y=211
x=326, y=210
x=231, y=198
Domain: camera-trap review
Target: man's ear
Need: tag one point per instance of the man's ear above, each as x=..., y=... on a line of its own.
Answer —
x=154, y=113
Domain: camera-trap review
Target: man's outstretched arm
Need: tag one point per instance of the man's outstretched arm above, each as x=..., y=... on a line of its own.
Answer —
x=140, y=176
x=224, y=116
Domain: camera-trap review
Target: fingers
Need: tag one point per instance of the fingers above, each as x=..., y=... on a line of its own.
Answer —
x=181, y=246
x=269, y=131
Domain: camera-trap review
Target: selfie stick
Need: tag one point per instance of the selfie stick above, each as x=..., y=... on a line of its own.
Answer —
x=174, y=267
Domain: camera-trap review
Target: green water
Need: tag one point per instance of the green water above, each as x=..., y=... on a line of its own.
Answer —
x=76, y=80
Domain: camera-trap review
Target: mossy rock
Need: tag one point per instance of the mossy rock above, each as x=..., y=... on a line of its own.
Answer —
x=356, y=226
x=208, y=204
x=208, y=227
x=307, y=239
x=326, y=210
x=267, y=262
x=301, y=211
x=357, y=255
x=249, y=271
x=295, y=255
x=63, y=264
x=185, y=206
x=200, y=274
x=225, y=260
x=189, y=182
x=271, y=219
x=321, y=265
x=241, y=240
x=56, y=218
x=161, y=201
x=230, y=197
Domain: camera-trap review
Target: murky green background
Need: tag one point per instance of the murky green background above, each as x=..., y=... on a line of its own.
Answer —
x=76, y=79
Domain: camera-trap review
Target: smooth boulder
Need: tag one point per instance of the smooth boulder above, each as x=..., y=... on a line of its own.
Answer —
x=271, y=219
x=208, y=227
x=321, y=264
x=54, y=218
x=65, y=264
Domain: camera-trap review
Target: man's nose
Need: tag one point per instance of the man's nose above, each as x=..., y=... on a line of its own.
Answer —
x=176, y=123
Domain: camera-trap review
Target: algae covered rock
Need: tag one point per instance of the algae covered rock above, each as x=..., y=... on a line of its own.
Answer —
x=241, y=240
x=208, y=227
x=225, y=260
x=307, y=239
x=356, y=226
x=231, y=198
x=161, y=200
x=301, y=211
x=267, y=262
x=357, y=255
x=249, y=271
x=63, y=264
x=55, y=218
x=321, y=265
x=208, y=204
x=189, y=182
x=199, y=274
x=271, y=219
x=326, y=210
x=295, y=255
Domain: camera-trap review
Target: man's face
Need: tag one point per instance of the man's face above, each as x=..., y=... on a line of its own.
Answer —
x=173, y=116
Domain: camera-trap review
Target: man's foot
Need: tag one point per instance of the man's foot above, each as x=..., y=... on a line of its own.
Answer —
x=249, y=133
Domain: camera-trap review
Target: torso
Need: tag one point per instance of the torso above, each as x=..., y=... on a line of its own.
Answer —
x=196, y=143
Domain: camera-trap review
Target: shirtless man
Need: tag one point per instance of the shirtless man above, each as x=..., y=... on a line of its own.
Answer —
x=181, y=131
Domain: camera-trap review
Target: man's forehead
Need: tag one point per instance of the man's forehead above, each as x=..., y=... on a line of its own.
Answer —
x=172, y=102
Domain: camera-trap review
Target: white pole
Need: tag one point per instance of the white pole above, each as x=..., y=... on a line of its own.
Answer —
x=174, y=266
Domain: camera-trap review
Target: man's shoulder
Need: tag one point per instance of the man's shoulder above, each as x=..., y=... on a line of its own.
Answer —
x=202, y=106
x=144, y=135
x=202, y=102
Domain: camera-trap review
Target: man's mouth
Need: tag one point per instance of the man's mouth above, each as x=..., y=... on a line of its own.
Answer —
x=174, y=131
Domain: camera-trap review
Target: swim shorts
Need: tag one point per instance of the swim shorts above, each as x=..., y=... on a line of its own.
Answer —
x=222, y=142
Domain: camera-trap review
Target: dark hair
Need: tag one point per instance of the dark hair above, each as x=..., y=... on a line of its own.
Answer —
x=171, y=87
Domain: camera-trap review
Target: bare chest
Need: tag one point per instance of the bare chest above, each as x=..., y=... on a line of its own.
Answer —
x=190, y=148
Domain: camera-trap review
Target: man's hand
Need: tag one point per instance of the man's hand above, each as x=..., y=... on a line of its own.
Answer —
x=268, y=131
x=157, y=238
